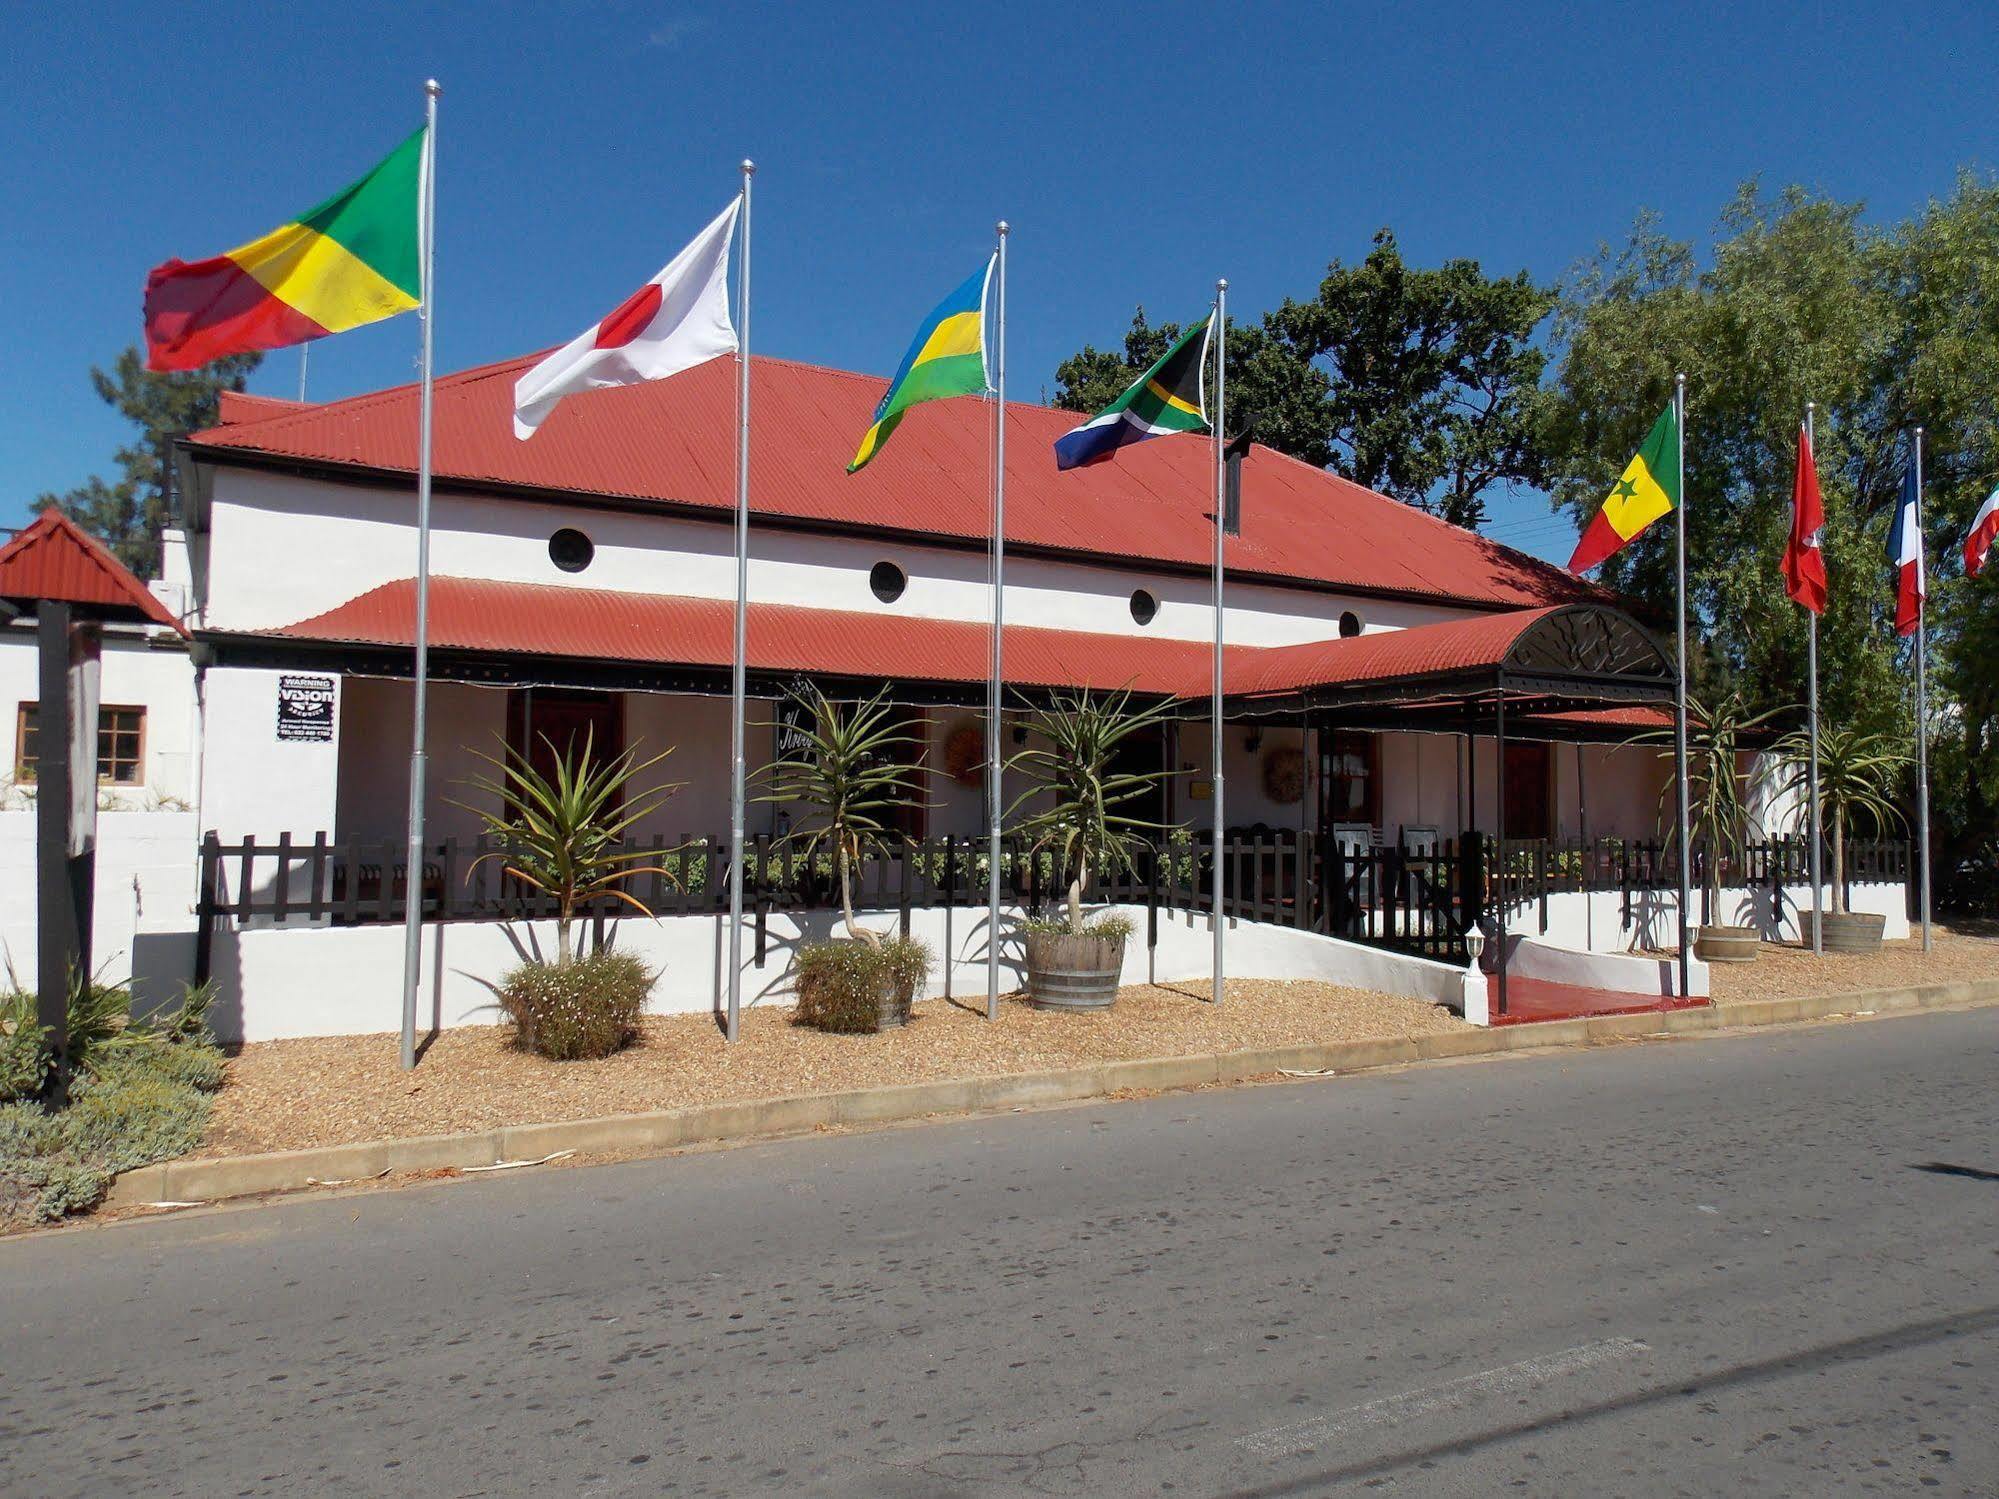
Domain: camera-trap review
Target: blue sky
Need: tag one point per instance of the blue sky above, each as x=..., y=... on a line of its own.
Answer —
x=1138, y=152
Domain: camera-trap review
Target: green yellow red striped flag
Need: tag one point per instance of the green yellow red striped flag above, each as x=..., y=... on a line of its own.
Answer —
x=1648, y=488
x=354, y=259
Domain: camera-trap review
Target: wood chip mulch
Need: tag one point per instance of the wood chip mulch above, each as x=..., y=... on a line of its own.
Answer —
x=289, y=1095
x=1783, y=971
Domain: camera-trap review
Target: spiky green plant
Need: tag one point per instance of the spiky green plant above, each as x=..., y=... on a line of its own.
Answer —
x=848, y=774
x=562, y=834
x=1857, y=768
x=1717, y=807
x=1087, y=818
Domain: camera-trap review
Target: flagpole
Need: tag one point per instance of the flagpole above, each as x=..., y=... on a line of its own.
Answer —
x=413, y=875
x=737, y=682
x=1220, y=880
x=1812, y=719
x=1680, y=685
x=1922, y=703
x=995, y=760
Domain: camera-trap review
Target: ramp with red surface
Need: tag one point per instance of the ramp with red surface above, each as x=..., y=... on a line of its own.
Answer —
x=1530, y=999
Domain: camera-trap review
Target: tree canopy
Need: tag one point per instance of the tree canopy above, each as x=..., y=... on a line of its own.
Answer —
x=1885, y=328
x=1422, y=384
x=129, y=511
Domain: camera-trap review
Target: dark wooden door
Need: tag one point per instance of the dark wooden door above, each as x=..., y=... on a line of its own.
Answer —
x=1529, y=772
x=547, y=723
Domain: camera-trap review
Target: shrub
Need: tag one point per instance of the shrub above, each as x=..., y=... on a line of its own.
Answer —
x=587, y=1007
x=1106, y=926
x=139, y=1094
x=23, y=1057
x=840, y=984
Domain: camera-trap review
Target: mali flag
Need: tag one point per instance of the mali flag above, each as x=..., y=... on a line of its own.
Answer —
x=352, y=260
x=946, y=358
x=1648, y=489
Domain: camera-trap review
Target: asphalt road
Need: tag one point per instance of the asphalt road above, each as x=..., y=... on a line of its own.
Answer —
x=1748, y=1264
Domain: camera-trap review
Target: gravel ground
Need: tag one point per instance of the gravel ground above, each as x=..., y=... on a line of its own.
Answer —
x=1969, y=951
x=288, y=1095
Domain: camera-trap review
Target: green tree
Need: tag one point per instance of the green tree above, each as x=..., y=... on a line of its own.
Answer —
x=1797, y=299
x=129, y=511
x=1422, y=384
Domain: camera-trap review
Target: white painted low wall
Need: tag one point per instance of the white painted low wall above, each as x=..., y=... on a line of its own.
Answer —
x=1529, y=957
x=1593, y=921
x=303, y=980
x=143, y=926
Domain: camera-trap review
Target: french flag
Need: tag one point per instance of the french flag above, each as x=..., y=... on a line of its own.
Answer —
x=1984, y=531
x=1905, y=550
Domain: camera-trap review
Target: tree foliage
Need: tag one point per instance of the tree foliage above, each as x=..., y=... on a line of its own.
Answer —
x=128, y=512
x=1422, y=384
x=1798, y=299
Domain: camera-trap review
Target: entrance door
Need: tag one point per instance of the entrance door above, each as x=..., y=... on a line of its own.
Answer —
x=1349, y=793
x=1143, y=753
x=1529, y=772
x=546, y=723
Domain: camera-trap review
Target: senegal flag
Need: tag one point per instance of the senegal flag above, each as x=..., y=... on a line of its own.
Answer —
x=946, y=358
x=352, y=260
x=1648, y=489
x=1167, y=398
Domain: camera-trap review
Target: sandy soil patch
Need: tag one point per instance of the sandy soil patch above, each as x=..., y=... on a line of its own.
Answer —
x=1969, y=951
x=287, y=1095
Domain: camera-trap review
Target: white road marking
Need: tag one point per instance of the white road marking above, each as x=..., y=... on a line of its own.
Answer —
x=1286, y=1441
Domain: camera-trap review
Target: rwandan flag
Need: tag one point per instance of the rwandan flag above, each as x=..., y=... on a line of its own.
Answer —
x=352, y=260
x=1648, y=488
x=947, y=358
x=1167, y=398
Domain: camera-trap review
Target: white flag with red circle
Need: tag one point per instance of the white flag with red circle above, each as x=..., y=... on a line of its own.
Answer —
x=675, y=321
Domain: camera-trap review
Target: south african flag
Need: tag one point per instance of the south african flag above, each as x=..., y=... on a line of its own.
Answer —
x=1167, y=398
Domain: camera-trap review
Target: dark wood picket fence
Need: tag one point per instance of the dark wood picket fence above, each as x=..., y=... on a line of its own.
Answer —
x=1419, y=901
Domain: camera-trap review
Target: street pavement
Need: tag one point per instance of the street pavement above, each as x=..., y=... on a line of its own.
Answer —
x=1752, y=1264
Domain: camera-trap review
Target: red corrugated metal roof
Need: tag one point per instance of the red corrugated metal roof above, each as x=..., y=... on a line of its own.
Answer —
x=240, y=406
x=540, y=619
x=674, y=441
x=56, y=560
x=1455, y=645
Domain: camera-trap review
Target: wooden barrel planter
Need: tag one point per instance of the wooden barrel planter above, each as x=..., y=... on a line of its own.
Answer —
x=1073, y=973
x=1728, y=944
x=1846, y=932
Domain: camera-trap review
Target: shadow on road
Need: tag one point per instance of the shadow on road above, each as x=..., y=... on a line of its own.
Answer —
x=1944, y=1168
x=1897, y=1340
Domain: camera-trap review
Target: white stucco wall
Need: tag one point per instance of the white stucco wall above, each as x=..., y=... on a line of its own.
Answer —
x=359, y=537
x=143, y=921
x=1594, y=920
x=147, y=669
x=313, y=981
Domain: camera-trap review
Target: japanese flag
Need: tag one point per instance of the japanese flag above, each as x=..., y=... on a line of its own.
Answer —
x=675, y=321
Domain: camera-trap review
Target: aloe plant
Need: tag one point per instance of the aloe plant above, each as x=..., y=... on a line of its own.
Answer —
x=562, y=833
x=1856, y=769
x=1717, y=809
x=1087, y=820
x=849, y=776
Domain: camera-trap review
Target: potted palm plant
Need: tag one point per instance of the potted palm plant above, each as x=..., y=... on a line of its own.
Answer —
x=1085, y=820
x=561, y=833
x=1716, y=812
x=848, y=773
x=1856, y=769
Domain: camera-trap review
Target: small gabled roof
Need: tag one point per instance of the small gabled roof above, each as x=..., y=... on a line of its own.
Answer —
x=57, y=561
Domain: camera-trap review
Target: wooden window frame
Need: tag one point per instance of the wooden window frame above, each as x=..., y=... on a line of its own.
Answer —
x=25, y=777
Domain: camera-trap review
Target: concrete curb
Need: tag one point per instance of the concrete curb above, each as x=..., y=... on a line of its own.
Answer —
x=208, y=1179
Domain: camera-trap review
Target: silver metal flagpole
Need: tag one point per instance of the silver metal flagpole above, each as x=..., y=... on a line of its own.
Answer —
x=1922, y=704
x=1680, y=688
x=1812, y=722
x=995, y=756
x=737, y=684
x=1215, y=737
x=427, y=318
x=303, y=350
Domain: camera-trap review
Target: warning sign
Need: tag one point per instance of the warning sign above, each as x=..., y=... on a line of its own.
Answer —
x=305, y=709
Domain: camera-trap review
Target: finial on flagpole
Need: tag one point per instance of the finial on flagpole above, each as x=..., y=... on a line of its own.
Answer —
x=432, y=87
x=749, y=167
x=1003, y=227
x=1222, y=285
x=1811, y=405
